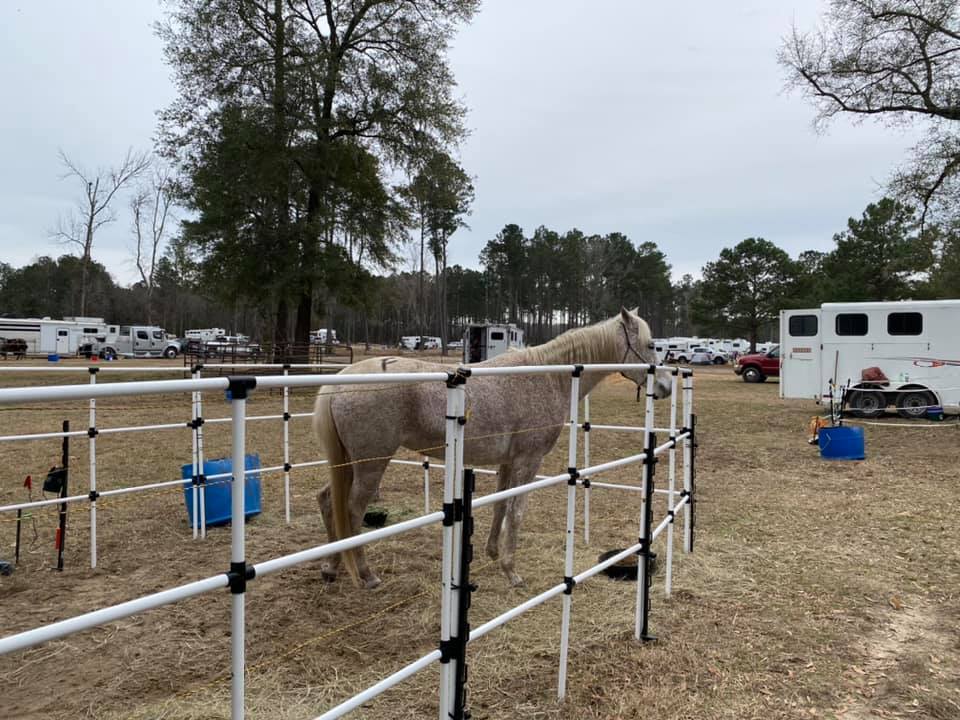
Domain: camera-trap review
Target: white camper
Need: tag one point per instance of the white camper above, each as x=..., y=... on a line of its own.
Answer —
x=905, y=354
x=204, y=334
x=483, y=342
x=63, y=337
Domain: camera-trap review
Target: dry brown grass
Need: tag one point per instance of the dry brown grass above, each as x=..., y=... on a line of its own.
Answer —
x=817, y=589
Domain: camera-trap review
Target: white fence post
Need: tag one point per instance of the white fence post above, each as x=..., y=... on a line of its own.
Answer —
x=447, y=669
x=568, y=550
x=455, y=569
x=688, y=443
x=643, y=559
x=239, y=387
x=92, y=434
x=671, y=486
x=202, y=475
x=286, y=448
x=586, y=463
x=195, y=515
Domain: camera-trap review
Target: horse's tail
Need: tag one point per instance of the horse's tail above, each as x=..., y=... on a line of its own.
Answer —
x=341, y=476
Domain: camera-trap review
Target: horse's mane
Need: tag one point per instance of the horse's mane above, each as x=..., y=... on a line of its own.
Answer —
x=591, y=344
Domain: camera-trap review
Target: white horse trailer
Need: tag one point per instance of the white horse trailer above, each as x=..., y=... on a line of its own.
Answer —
x=46, y=336
x=483, y=342
x=914, y=344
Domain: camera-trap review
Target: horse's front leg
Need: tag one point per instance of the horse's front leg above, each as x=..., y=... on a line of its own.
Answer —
x=513, y=518
x=499, y=509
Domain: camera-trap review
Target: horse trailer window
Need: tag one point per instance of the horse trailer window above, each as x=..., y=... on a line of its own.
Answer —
x=89, y=331
x=852, y=324
x=803, y=326
x=905, y=323
x=62, y=333
x=496, y=336
x=142, y=335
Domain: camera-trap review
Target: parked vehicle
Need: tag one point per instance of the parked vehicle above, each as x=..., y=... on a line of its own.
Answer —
x=905, y=354
x=205, y=334
x=714, y=356
x=483, y=342
x=678, y=350
x=43, y=336
x=320, y=336
x=134, y=341
x=757, y=367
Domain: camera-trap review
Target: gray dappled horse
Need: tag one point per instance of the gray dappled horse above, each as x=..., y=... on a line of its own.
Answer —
x=375, y=423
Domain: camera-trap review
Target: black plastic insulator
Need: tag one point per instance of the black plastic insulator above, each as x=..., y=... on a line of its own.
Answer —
x=586, y=483
x=570, y=583
x=577, y=370
x=448, y=650
x=287, y=467
x=93, y=370
x=448, y=514
x=462, y=420
x=286, y=417
x=92, y=432
x=93, y=495
x=586, y=427
x=426, y=464
x=240, y=573
x=240, y=386
x=574, y=474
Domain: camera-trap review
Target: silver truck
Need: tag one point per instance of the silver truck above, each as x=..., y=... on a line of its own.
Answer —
x=136, y=341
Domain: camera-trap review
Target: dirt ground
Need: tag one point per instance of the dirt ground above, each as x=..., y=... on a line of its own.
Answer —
x=817, y=589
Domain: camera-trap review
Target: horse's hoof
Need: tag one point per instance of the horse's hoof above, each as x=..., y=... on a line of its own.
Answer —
x=328, y=576
x=371, y=582
x=493, y=552
x=516, y=581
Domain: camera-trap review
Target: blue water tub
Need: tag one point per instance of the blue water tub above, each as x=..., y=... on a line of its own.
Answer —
x=219, y=495
x=842, y=443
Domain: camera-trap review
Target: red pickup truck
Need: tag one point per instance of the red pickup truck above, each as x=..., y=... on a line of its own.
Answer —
x=758, y=366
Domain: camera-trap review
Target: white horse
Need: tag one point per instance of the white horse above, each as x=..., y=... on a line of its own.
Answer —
x=356, y=426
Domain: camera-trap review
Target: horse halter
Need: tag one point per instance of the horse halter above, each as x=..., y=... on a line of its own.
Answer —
x=630, y=349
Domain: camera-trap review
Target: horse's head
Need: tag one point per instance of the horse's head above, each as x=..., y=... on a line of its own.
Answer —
x=636, y=346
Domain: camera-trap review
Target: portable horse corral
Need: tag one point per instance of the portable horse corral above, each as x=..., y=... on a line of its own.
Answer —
x=454, y=517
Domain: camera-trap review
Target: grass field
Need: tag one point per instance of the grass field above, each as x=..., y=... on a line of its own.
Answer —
x=817, y=589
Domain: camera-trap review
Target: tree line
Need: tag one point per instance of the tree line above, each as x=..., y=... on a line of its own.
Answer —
x=548, y=281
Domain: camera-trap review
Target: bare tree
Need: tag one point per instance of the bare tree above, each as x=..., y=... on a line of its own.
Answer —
x=897, y=61
x=94, y=209
x=151, y=206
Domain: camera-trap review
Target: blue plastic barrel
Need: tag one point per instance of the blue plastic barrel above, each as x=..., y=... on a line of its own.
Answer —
x=53, y=357
x=842, y=443
x=218, y=496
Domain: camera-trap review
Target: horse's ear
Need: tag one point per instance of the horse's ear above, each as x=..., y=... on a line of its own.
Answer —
x=625, y=315
x=636, y=311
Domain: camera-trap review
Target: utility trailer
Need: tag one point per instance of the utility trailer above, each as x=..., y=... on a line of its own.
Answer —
x=483, y=342
x=46, y=336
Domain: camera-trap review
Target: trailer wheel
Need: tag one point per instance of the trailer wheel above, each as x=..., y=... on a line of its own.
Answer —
x=914, y=404
x=867, y=403
x=753, y=375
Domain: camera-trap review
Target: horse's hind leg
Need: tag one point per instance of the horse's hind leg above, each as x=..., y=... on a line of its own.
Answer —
x=329, y=566
x=366, y=485
x=493, y=541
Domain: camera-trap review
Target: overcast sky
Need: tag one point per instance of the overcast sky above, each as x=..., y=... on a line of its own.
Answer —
x=667, y=124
